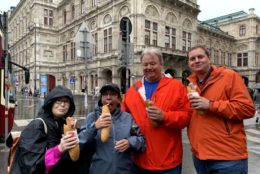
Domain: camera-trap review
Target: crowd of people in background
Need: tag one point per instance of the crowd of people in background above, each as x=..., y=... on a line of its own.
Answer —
x=145, y=126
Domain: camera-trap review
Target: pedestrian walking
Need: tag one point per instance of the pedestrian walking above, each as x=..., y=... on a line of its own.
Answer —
x=257, y=104
x=111, y=156
x=30, y=92
x=159, y=105
x=216, y=130
x=41, y=153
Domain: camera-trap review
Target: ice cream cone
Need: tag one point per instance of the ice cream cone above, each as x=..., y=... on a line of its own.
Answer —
x=149, y=103
x=191, y=91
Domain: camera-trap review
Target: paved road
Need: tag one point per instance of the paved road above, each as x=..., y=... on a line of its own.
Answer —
x=28, y=107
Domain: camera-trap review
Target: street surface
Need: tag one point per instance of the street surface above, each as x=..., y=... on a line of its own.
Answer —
x=29, y=106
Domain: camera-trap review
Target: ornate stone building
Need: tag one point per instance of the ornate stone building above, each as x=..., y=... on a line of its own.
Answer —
x=42, y=37
x=245, y=28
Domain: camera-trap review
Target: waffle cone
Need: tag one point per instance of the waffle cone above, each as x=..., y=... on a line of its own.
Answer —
x=105, y=131
x=69, y=126
x=149, y=103
x=191, y=91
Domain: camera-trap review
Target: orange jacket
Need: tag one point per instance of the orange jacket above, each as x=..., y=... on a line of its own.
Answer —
x=164, y=143
x=219, y=133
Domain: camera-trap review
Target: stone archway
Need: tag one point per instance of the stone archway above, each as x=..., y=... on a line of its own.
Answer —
x=51, y=82
x=107, y=76
x=48, y=82
x=257, y=77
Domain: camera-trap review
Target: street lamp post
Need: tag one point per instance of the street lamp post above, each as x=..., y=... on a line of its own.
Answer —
x=84, y=42
x=33, y=26
x=35, y=87
x=126, y=29
x=85, y=47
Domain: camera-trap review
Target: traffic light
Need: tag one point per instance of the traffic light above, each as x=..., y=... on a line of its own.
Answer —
x=126, y=29
x=124, y=36
x=27, y=76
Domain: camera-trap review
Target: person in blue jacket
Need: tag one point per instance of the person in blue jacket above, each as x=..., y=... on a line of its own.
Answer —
x=114, y=155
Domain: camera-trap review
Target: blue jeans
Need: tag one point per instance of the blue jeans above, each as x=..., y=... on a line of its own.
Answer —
x=221, y=166
x=176, y=170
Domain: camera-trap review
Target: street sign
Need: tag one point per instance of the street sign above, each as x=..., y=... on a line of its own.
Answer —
x=72, y=79
x=84, y=41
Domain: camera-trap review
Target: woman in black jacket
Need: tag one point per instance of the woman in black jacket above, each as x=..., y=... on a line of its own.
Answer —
x=41, y=153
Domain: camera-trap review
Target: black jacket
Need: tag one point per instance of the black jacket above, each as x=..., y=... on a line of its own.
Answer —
x=29, y=157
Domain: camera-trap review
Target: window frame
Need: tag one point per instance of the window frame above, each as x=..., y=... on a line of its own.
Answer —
x=242, y=59
x=151, y=33
x=170, y=35
x=242, y=30
x=108, y=39
x=48, y=17
x=65, y=53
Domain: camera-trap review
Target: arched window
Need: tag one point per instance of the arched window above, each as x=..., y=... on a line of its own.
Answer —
x=242, y=30
x=82, y=6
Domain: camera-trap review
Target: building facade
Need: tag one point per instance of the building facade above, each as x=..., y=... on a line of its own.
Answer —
x=42, y=37
x=245, y=28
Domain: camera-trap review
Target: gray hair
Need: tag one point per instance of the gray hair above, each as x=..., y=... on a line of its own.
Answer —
x=152, y=51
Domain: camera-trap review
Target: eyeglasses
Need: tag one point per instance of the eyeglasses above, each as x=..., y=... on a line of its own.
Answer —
x=61, y=101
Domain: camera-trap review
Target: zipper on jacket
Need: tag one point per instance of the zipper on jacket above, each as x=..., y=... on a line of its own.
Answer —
x=226, y=125
x=114, y=150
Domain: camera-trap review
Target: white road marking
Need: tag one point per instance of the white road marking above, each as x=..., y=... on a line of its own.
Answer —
x=253, y=139
x=21, y=123
x=254, y=151
x=29, y=106
x=254, y=131
x=254, y=147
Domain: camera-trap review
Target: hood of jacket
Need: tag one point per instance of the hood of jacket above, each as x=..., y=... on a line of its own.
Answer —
x=216, y=72
x=58, y=91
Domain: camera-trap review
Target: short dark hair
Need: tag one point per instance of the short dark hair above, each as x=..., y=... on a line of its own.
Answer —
x=196, y=47
x=111, y=87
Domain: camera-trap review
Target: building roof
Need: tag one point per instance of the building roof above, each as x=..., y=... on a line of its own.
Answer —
x=228, y=17
x=212, y=28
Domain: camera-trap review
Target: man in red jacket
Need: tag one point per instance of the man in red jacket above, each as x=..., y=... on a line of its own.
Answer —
x=216, y=131
x=162, y=121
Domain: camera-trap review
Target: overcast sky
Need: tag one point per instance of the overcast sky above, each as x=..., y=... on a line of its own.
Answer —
x=209, y=8
x=214, y=8
x=6, y=4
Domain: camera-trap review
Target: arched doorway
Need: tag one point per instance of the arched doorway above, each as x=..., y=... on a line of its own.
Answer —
x=47, y=83
x=257, y=77
x=107, y=74
x=51, y=82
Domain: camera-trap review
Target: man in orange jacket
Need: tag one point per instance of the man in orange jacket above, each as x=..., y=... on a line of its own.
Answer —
x=162, y=121
x=216, y=131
